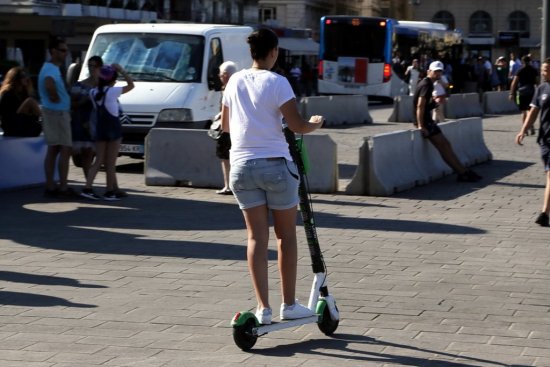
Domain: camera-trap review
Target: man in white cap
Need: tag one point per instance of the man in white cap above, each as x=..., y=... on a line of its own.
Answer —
x=423, y=105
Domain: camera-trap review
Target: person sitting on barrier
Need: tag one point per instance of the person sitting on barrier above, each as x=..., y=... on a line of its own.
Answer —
x=523, y=88
x=223, y=143
x=424, y=104
x=541, y=103
x=263, y=177
x=19, y=111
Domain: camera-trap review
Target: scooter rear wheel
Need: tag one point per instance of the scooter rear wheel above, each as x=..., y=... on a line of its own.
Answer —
x=242, y=335
x=328, y=326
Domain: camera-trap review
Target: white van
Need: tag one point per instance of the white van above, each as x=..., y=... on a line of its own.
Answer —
x=175, y=70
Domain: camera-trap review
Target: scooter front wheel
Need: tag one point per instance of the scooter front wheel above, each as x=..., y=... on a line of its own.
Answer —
x=242, y=335
x=327, y=325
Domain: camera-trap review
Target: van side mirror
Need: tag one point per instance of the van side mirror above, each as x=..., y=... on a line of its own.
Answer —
x=72, y=73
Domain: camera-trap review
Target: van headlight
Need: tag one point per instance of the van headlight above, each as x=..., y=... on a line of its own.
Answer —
x=175, y=115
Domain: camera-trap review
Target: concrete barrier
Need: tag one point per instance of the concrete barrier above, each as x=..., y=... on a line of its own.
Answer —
x=399, y=160
x=337, y=110
x=452, y=131
x=471, y=137
x=22, y=161
x=498, y=102
x=463, y=105
x=398, y=174
x=186, y=157
x=402, y=110
x=359, y=182
x=427, y=159
x=457, y=106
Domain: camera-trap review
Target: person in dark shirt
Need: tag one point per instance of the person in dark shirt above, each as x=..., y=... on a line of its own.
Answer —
x=423, y=105
x=19, y=111
x=523, y=87
x=541, y=102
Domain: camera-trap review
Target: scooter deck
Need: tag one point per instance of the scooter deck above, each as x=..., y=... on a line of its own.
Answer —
x=283, y=324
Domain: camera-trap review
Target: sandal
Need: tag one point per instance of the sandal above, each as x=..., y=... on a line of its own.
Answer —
x=224, y=192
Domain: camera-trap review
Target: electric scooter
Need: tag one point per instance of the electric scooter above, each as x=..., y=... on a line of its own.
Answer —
x=246, y=328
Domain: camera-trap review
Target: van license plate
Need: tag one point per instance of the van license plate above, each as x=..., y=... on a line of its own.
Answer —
x=131, y=148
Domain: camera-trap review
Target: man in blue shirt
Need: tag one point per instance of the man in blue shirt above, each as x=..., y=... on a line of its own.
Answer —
x=56, y=119
x=541, y=102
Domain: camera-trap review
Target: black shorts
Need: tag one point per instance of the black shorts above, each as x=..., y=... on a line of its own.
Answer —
x=523, y=101
x=223, y=144
x=432, y=128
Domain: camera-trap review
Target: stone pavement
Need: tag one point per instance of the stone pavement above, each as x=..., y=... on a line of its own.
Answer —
x=448, y=274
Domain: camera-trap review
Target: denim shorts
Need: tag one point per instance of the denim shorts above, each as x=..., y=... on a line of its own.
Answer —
x=271, y=181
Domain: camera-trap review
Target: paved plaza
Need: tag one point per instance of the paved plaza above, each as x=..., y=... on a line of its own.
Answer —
x=447, y=274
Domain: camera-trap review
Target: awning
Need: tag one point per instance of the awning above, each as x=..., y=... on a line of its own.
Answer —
x=299, y=46
x=529, y=42
x=479, y=40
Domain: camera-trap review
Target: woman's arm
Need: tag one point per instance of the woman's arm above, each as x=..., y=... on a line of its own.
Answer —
x=130, y=82
x=295, y=122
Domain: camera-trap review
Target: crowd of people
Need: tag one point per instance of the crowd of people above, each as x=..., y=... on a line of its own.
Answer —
x=519, y=76
x=80, y=120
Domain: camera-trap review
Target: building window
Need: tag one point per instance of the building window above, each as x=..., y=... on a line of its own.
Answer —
x=266, y=15
x=444, y=17
x=518, y=21
x=481, y=22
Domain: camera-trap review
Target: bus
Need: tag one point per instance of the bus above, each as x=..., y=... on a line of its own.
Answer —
x=356, y=53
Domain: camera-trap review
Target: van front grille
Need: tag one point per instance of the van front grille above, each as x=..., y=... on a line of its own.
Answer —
x=137, y=119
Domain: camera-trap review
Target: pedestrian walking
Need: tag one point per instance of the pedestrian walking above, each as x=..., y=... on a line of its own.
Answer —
x=223, y=143
x=541, y=103
x=523, y=88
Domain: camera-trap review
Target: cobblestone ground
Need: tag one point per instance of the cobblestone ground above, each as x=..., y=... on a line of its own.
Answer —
x=448, y=274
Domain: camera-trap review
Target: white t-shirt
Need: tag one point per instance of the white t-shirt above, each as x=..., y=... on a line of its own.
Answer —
x=439, y=89
x=254, y=98
x=111, y=99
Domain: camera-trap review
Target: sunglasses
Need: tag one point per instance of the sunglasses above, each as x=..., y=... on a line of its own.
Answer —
x=62, y=49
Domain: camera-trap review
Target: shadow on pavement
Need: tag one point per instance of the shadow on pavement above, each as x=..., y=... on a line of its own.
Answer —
x=15, y=277
x=448, y=189
x=133, y=226
x=161, y=226
x=341, y=346
x=36, y=300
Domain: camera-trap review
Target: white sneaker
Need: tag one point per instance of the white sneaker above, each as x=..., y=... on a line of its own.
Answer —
x=264, y=316
x=295, y=311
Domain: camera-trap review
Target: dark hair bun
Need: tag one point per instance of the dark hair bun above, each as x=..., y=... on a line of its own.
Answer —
x=262, y=42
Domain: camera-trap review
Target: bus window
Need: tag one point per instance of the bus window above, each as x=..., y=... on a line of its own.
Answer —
x=365, y=40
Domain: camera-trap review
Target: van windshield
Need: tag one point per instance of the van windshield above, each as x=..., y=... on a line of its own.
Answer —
x=152, y=56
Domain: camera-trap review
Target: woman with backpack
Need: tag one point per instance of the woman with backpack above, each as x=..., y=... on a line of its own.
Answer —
x=107, y=129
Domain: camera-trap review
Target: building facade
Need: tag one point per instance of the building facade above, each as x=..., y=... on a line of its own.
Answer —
x=491, y=28
x=26, y=25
